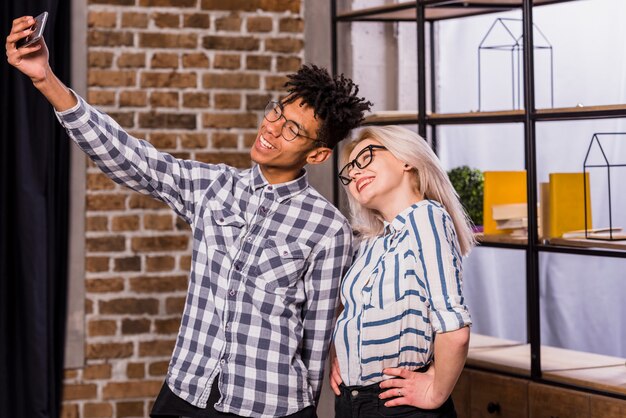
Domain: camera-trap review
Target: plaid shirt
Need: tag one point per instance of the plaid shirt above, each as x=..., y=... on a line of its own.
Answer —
x=267, y=262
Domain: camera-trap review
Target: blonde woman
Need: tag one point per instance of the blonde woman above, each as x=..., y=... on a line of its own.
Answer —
x=402, y=300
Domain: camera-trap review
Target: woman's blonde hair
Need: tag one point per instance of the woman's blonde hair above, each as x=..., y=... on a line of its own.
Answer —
x=431, y=181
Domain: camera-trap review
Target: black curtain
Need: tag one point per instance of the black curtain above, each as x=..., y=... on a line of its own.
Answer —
x=34, y=166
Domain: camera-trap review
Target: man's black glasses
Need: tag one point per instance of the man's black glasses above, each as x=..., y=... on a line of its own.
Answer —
x=290, y=130
x=362, y=160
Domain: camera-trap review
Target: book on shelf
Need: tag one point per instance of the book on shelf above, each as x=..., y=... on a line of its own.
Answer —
x=544, y=212
x=513, y=223
x=567, y=203
x=509, y=211
x=501, y=188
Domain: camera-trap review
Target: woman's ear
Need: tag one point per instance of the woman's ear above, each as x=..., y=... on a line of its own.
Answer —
x=407, y=167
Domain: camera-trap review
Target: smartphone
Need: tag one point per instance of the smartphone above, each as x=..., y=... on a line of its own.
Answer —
x=38, y=27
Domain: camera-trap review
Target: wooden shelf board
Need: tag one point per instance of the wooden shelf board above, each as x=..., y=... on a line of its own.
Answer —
x=605, y=379
x=391, y=116
x=581, y=109
x=481, y=341
x=588, y=243
x=500, y=239
x=406, y=11
x=557, y=361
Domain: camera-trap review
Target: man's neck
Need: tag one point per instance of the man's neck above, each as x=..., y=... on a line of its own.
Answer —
x=278, y=176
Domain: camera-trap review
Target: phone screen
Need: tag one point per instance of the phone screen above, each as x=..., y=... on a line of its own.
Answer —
x=38, y=27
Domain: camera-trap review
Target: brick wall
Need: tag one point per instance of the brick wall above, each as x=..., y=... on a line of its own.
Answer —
x=190, y=76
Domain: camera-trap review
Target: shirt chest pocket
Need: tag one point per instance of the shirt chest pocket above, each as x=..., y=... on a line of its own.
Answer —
x=225, y=226
x=280, y=264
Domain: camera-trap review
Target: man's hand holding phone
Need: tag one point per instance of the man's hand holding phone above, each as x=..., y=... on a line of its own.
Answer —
x=32, y=57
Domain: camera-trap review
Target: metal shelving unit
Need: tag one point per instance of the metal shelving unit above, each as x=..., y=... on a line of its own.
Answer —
x=426, y=13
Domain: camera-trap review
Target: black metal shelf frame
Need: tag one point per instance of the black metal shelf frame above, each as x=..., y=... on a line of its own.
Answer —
x=529, y=117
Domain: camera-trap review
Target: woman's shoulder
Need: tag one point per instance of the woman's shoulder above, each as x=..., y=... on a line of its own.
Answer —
x=423, y=209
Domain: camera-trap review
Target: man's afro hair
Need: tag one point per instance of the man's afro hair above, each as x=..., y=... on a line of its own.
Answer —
x=333, y=99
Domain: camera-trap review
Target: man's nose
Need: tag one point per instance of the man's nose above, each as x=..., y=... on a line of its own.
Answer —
x=275, y=128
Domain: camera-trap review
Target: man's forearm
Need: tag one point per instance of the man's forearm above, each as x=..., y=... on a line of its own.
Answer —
x=56, y=92
x=450, y=354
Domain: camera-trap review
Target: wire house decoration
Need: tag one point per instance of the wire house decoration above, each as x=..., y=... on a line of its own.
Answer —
x=506, y=35
x=595, y=142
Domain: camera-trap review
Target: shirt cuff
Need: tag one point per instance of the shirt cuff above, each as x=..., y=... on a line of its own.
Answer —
x=75, y=116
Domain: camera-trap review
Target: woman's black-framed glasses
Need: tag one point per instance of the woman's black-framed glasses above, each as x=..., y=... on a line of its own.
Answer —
x=362, y=160
x=290, y=129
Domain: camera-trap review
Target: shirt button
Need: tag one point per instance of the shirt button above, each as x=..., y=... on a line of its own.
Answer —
x=249, y=239
x=270, y=188
x=354, y=393
x=227, y=326
x=237, y=266
x=263, y=209
x=221, y=220
x=222, y=362
x=232, y=292
x=285, y=253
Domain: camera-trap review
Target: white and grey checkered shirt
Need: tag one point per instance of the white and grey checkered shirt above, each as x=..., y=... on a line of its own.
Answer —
x=267, y=262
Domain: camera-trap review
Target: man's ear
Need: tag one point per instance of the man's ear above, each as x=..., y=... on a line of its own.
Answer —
x=319, y=155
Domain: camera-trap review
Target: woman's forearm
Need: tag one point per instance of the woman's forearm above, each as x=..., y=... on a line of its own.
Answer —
x=450, y=354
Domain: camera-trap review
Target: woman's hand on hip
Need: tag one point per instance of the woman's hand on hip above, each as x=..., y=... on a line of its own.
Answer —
x=413, y=388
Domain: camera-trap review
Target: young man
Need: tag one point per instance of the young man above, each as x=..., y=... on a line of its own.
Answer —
x=268, y=250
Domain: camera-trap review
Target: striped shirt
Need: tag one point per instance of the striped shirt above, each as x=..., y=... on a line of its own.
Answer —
x=264, y=283
x=403, y=287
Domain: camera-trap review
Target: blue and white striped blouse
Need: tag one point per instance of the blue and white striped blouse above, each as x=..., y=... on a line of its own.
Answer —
x=403, y=287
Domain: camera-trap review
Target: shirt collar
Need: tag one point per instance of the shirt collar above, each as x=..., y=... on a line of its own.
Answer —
x=283, y=190
x=398, y=223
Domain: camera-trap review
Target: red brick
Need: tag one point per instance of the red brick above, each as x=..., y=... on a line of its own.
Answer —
x=106, y=244
x=96, y=264
x=253, y=5
x=102, y=327
x=249, y=138
x=168, y=3
x=109, y=350
x=198, y=140
x=163, y=140
x=174, y=305
x=88, y=306
x=166, y=20
x=125, y=119
x=164, y=99
x=136, y=370
x=167, y=326
x=69, y=410
x=229, y=23
x=106, y=202
x=168, y=40
x=139, y=201
x=291, y=24
x=115, y=284
x=125, y=223
x=101, y=98
x=158, y=222
x=101, y=19
x=238, y=160
x=196, y=100
x=132, y=60
x=230, y=81
x=195, y=60
x=75, y=392
x=170, y=79
x=229, y=120
x=109, y=38
x=257, y=101
x=151, y=284
x=97, y=371
x=125, y=390
x=158, y=368
x=133, y=98
x=275, y=82
x=197, y=21
x=135, y=326
x=227, y=61
x=132, y=263
x=135, y=20
x=259, y=24
x=167, y=120
x=284, y=45
x=164, y=60
x=156, y=348
x=182, y=225
x=258, y=62
x=227, y=101
x=224, y=140
x=130, y=306
x=110, y=78
x=231, y=43
x=130, y=409
x=70, y=374
x=160, y=243
x=100, y=59
x=98, y=410
x=114, y=2
x=288, y=64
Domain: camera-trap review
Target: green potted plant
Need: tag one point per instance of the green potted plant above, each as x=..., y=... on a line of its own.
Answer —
x=468, y=183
